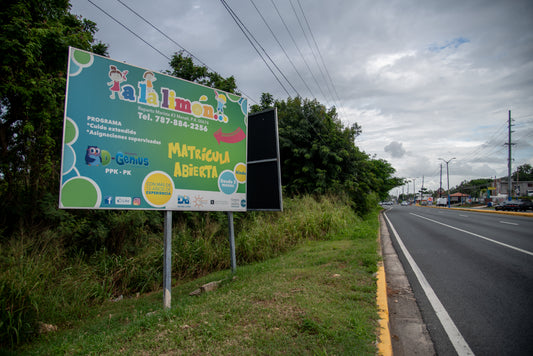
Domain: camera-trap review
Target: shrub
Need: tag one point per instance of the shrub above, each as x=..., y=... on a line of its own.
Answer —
x=56, y=274
x=18, y=312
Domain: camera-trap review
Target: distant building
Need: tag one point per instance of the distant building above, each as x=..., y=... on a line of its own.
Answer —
x=520, y=189
x=459, y=198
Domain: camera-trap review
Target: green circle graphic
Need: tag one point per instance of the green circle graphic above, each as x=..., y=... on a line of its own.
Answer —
x=71, y=131
x=106, y=157
x=82, y=57
x=233, y=97
x=79, y=193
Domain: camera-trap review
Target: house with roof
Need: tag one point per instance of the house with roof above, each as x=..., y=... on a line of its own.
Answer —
x=460, y=198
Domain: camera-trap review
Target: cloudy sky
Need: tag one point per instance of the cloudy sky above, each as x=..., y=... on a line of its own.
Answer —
x=424, y=79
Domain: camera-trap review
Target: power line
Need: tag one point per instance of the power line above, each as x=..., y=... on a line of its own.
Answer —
x=243, y=28
x=524, y=117
x=248, y=34
x=164, y=34
x=130, y=31
x=297, y=47
x=282, y=48
x=176, y=43
x=320, y=54
x=311, y=49
x=494, y=141
x=151, y=46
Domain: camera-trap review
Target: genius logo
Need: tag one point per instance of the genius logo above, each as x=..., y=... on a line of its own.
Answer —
x=131, y=159
x=94, y=156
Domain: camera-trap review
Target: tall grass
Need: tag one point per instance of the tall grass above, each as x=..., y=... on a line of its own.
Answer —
x=44, y=278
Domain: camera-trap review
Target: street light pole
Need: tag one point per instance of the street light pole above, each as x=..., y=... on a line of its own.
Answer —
x=414, y=189
x=448, y=177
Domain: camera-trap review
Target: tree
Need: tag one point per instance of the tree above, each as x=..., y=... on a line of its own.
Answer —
x=35, y=35
x=317, y=151
x=267, y=101
x=524, y=172
x=183, y=67
x=384, y=180
x=473, y=187
x=318, y=154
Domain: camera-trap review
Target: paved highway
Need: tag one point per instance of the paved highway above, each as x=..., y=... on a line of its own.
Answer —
x=472, y=274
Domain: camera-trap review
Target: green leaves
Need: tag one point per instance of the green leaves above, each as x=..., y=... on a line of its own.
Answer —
x=34, y=39
x=319, y=154
x=183, y=67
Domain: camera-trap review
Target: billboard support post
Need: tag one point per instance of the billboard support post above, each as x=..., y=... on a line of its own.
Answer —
x=232, y=242
x=167, y=263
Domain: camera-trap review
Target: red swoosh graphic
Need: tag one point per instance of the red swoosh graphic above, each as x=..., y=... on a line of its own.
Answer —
x=233, y=137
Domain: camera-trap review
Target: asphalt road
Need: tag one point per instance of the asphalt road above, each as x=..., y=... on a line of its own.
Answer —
x=479, y=267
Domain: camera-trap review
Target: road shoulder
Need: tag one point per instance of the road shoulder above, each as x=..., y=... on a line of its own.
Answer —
x=409, y=334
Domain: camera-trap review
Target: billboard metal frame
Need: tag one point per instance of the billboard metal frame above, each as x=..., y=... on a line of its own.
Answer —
x=251, y=162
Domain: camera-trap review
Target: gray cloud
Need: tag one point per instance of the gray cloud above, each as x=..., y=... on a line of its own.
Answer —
x=424, y=80
x=395, y=149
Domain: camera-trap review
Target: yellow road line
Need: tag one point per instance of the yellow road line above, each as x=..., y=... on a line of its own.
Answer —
x=384, y=338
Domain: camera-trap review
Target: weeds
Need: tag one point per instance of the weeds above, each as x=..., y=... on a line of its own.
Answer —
x=56, y=275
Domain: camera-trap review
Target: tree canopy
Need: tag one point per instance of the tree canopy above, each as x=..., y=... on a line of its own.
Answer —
x=319, y=155
x=318, y=151
x=524, y=172
x=34, y=38
x=183, y=67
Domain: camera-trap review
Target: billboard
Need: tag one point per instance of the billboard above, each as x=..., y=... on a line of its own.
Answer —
x=138, y=139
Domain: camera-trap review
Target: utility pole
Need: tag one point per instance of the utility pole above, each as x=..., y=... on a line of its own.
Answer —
x=509, y=163
x=440, y=186
x=448, y=177
x=414, y=190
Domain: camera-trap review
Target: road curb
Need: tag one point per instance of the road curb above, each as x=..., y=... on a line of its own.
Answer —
x=384, y=338
x=384, y=334
x=408, y=334
x=515, y=213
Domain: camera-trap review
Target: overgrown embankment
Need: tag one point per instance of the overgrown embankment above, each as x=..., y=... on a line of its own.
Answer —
x=52, y=276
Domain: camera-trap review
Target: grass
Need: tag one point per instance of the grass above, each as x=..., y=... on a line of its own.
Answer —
x=305, y=277
x=318, y=299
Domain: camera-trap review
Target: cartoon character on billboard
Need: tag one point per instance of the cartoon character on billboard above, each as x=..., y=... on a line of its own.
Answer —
x=150, y=78
x=116, y=77
x=221, y=99
x=92, y=156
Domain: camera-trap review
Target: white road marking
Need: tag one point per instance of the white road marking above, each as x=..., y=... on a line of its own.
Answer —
x=455, y=336
x=463, y=215
x=508, y=223
x=476, y=235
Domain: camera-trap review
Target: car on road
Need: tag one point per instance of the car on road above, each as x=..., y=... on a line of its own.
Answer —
x=508, y=205
x=404, y=203
x=526, y=204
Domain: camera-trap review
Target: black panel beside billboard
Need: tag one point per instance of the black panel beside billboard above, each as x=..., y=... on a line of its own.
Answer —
x=263, y=181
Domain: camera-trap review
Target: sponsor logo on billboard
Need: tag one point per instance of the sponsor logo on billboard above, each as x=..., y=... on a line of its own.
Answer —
x=94, y=156
x=183, y=200
x=123, y=200
x=199, y=201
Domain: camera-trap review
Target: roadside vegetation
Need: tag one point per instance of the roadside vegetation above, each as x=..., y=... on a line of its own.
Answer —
x=61, y=266
x=47, y=287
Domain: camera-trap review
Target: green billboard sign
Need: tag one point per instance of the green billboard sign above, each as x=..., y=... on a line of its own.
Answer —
x=138, y=139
